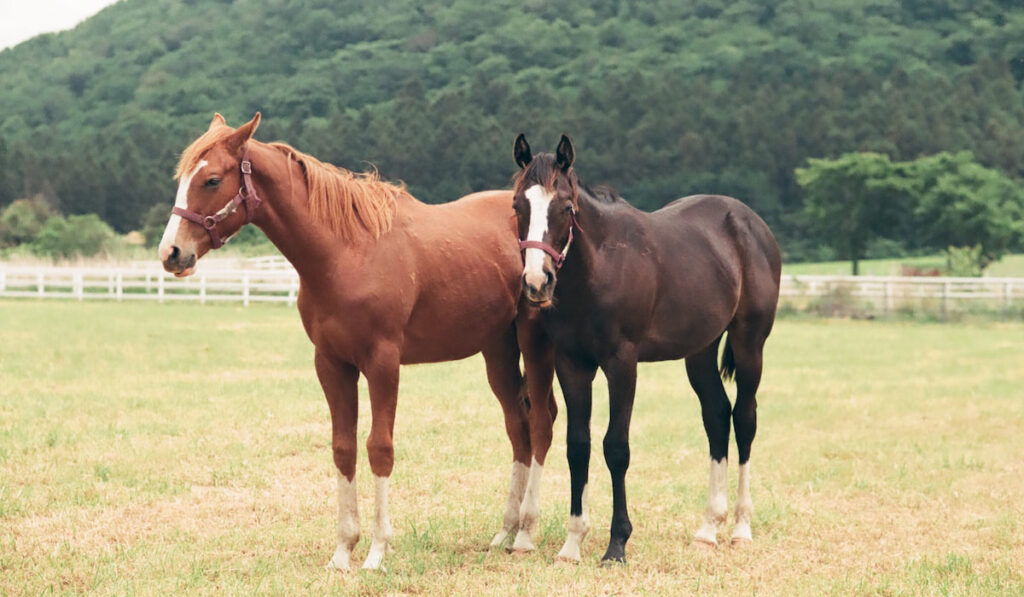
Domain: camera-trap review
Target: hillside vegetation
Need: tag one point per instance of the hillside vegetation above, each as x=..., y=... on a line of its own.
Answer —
x=662, y=98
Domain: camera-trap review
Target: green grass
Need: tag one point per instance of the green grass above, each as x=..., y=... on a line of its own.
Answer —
x=1010, y=266
x=179, y=449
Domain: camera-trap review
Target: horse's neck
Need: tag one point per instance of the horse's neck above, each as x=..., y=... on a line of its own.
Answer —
x=581, y=259
x=309, y=245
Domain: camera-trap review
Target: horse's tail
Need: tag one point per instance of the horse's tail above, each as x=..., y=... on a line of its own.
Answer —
x=728, y=368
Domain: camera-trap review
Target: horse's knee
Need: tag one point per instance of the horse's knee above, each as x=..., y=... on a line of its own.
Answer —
x=616, y=454
x=345, y=458
x=382, y=456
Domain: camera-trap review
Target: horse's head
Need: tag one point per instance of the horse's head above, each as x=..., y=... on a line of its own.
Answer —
x=545, y=202
x=215, y=195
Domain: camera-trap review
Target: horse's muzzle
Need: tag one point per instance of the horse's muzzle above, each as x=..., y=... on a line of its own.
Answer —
x=176, y=262
x=539, y=296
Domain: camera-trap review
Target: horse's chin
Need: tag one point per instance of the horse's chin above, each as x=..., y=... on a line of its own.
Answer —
x=539, y=304
x=185, y=272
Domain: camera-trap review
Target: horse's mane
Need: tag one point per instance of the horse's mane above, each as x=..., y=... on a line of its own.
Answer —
x=346, y=201
x=602, y=193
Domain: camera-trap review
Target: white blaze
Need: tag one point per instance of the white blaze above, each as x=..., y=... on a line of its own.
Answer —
x=539, y=199
x=180, y=200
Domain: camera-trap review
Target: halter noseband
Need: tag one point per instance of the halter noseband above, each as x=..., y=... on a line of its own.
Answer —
x=543, y=246
x=246, y=196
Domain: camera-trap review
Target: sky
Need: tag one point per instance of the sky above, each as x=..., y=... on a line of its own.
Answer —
x=23, y=19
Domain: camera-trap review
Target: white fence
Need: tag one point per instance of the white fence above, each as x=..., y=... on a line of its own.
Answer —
x=274, y=281
x=892, y=293
x=153, y=284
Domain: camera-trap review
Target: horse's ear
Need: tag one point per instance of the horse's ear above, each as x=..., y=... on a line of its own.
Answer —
x=244, y=132
x=218, y=120
x=565, y=154
x=522, y=151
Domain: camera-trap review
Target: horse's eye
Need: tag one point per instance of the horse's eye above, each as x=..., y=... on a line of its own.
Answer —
x=211, y=183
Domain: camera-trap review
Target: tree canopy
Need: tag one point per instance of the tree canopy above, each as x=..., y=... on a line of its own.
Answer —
x=662, y=98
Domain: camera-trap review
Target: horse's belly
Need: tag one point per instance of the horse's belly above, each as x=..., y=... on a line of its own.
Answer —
x=451, y=330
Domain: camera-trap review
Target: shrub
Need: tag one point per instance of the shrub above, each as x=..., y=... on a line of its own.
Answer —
x=74, y=236
x=23, y=219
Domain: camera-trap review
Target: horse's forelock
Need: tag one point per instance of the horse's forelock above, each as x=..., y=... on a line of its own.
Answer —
x=193, y=153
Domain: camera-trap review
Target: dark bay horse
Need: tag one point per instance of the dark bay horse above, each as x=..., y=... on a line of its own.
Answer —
x=618, y=286
x=384, y=280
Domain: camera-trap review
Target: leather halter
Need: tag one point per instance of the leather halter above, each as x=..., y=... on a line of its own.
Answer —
x=246, y=196
x=559, y=257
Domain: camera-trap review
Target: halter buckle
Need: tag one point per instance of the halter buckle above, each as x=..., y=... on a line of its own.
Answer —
x=246, y=167
x=209, y=222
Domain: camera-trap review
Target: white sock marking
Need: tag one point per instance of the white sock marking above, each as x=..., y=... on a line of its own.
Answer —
x=348, y=523
x=533, y=265
x=578, y=528
x=180, y=200
x=516, y=490
x=382, y=531
x=718, y=507
x=744, y=506
x=529, y=512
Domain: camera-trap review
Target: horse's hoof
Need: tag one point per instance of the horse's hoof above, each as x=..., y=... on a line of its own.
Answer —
x=563, y=560
x=613, y=562
x=520, y=553
x=704, y=544
x=741, y=542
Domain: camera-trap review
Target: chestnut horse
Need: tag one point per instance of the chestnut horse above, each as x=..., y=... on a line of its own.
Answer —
x=384, y=280
x=617, y=286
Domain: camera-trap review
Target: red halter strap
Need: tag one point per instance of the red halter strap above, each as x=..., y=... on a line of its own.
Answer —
x=559, y=257
x=246, y=196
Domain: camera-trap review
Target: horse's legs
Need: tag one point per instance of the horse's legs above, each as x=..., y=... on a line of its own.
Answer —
x=621, y=374
x=702, y=369
x=576, y=382
x=382, y=378
x=507, y=384
x=747, y=353
x=339, y=384
x=538, y=357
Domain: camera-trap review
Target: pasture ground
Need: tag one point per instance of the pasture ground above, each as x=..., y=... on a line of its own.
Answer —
x=1010, y=266
x=178, y=449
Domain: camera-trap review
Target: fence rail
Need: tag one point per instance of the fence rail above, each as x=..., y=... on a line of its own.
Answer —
x=275, y=282
x=892, y=293
x=127, y=283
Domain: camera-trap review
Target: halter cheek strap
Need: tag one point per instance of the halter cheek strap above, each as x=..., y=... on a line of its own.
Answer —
x=246, y=197
x=559, y=257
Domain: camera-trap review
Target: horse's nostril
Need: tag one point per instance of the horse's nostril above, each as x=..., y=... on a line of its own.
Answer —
x=175, y=252
x=548, y=278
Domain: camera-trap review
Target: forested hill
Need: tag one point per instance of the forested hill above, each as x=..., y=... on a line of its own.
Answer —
x=662, y=98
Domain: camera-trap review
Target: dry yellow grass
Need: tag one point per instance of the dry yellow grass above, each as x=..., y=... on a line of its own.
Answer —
x=173, y=449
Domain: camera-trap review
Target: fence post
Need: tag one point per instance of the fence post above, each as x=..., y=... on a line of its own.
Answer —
x=945, y=298
x=202, y=289
x=160, y=288
x=292, y=291
x=40, y=285
x=1007, y=286
x=120, y=286
x=245, y=289
x=77, y=282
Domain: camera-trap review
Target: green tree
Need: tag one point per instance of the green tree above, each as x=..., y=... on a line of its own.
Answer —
x=960, y=203
x=852, y=200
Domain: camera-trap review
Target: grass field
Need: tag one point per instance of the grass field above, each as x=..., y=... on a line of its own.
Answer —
x=178, y=449
x=1010, y=266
